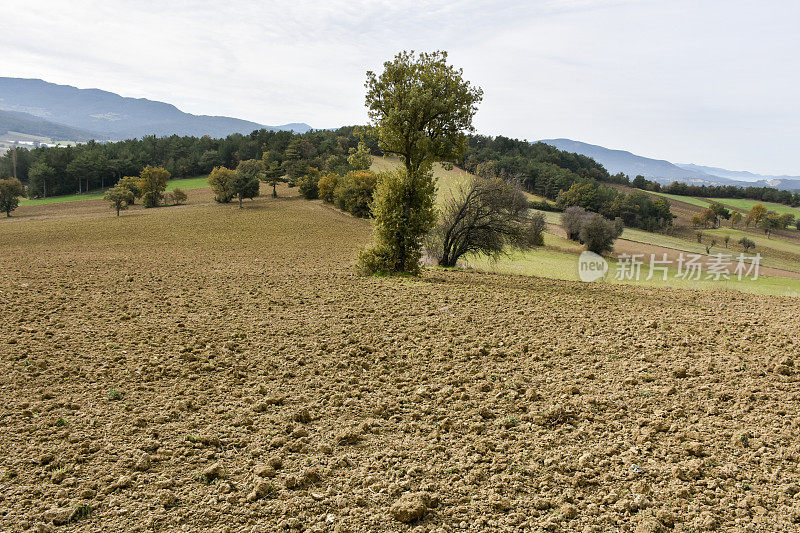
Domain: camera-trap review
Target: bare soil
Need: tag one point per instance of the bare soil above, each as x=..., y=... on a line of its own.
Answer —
x=210, y=368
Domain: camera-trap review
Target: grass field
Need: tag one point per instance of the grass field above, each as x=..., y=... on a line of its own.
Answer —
x=204, y=365
x=559, y=264
x=744, y=205
x=699, y=202
x=184, y=183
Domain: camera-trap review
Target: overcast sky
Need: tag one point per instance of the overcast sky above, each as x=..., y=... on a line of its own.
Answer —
x=714, y=82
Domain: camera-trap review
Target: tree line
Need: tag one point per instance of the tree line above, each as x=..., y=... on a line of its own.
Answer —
x=567, y=178
x=761, y=194
x=53, y=171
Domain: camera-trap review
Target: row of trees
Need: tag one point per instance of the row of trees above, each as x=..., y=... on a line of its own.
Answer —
x=761, y=194
x=758, y=216
x=150, y=186
x=52, y=171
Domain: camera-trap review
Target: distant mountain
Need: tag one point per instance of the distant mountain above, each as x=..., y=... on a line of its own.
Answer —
x=112, y=117
x=665, y=172
x=31, y=125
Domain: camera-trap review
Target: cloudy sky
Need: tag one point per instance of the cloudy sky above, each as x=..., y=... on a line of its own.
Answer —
x=714, y=82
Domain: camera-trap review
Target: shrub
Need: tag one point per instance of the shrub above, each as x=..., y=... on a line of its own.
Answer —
x=572, y=221
x=178, y=196
x=327, y=186
x=354, y=192
x=598, y=233
x=308, y=185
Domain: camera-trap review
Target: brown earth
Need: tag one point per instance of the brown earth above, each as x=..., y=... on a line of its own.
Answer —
x=210, y=368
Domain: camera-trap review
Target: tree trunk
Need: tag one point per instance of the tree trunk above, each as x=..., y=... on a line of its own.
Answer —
x=274, y=189
x=117, y=210
x=240, y=201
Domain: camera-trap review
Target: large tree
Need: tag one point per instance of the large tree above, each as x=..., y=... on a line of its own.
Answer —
x=419, y=109
x=10, y=191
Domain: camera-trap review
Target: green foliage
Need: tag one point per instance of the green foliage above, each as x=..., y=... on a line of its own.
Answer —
x=593, y=230
x=359, y=158
x=419, y=106
x=120, y=197
x=246, y=180
x=354, y=192
x=769, y=223
x=308, y=185
x=10, y=192
x=114, y=394
x=221, y=182
x=39, y=176
x=637, y=210
x=327, y=186
x=403, y=208
x=153, y=183
x=598, y=233
x=273, y=171
x=132, y=184
x=419, y=109
x=747, y=243
x=178, y=196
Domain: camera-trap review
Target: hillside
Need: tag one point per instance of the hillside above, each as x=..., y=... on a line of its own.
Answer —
x=666, y=172
x=109, y=116
x=15, y=121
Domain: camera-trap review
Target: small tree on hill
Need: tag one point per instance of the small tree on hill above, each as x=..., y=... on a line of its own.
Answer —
x=247, y=179
x=359, y=158
x=132, y=184
x=769, y=223
x=120, y=197
x=354, y=192
x=179, y=196
x=572, y=222
x=220, y=180
x=308, y=185
x=757, y=212
x=327, y=186
x=746, y=243
x=10, y=192
x=488, y=217
x=153, y=183
x=273, y=171
x=736, y=219
x=598, y=233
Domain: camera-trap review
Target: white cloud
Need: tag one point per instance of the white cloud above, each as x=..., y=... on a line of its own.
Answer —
x=711, y=82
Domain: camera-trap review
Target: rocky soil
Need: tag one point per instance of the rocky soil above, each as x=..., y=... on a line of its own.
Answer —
x=206, y=368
